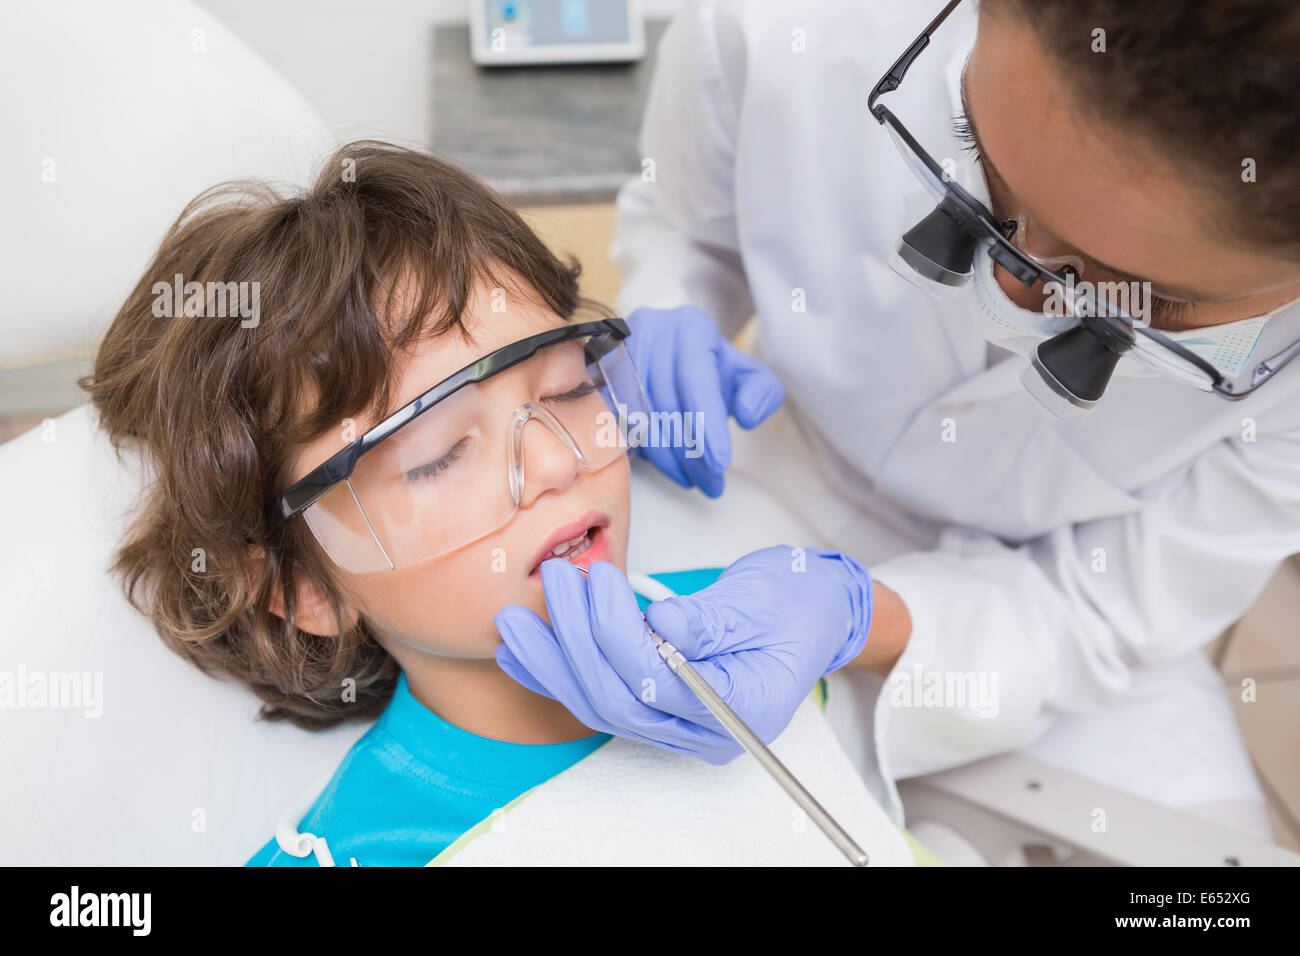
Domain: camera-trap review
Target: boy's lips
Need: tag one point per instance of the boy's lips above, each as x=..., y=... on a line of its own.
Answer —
x=590, y=526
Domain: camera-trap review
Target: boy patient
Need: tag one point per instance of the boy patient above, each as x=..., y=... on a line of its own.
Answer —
x=345, y=588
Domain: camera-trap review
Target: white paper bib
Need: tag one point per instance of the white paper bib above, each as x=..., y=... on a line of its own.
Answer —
x=632, y=804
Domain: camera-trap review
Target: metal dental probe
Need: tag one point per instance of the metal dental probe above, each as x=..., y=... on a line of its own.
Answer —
x=738, y=729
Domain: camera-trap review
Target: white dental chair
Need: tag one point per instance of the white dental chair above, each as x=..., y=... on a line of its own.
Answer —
x=174, y=770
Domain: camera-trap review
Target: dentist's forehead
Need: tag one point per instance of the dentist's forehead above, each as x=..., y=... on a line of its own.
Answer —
x=1103, y=190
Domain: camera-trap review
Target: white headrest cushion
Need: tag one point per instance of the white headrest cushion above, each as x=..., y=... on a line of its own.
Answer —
x=127, y=110
x=173, y=770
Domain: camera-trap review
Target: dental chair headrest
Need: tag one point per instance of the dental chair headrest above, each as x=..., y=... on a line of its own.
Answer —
x=130, y=110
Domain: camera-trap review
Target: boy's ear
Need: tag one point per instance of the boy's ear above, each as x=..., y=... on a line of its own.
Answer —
x=313, y=611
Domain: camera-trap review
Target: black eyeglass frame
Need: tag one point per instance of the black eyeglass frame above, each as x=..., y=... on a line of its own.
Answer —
x=607, y=334
x=1117, y=331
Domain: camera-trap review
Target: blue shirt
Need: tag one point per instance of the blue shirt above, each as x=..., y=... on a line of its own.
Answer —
x=414, y=783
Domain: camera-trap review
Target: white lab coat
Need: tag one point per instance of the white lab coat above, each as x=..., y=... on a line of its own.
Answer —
x=1064, y=556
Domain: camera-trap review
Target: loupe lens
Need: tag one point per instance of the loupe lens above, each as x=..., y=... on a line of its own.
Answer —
x=936, y=255
x=1069, y=372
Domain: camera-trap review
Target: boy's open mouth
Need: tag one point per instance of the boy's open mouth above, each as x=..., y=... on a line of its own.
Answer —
x=582, y=542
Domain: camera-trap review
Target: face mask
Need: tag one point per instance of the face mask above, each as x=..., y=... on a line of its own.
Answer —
x=1000, y=320
x=1228, y=347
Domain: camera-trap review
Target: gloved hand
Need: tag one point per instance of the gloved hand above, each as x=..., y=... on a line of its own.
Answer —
x=761, y=635
x=687, y=366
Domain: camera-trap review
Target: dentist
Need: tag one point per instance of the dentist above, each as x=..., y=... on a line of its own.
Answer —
x=1067, y=447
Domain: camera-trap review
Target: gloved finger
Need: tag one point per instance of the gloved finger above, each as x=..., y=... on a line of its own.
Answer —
x=533, y=645
x=602, y=686
x=568, y=600
x=753, y=390
x=667, y=461
x=703, y=743
x=656, y=362
x=574, y=634
x=750, y=692
x=688, y=629
x=701, y=474
x=664, y=731
x=699, y=387
x=564, y=589
x=660, y=381
x=507, y=661
x=697, y=624
x=621, y=634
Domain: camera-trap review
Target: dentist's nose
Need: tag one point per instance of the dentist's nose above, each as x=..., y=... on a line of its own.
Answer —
x=1032, y=298
x=1049, y=252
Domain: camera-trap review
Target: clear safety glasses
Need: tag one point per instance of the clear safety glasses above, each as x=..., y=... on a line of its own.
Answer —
x=938, y=254
x=448, y=468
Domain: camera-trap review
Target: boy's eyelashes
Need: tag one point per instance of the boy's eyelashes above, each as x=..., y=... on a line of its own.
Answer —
x=432, y=469
x=442, y=463
x=573, y=394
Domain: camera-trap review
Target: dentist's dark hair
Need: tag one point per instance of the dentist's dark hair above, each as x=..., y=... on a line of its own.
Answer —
x=1210, y=84
x=383, y=250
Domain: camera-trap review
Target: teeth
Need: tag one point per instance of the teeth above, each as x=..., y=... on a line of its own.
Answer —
x=568, y=546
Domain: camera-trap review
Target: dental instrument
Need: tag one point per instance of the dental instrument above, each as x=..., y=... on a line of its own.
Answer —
x=739, y=730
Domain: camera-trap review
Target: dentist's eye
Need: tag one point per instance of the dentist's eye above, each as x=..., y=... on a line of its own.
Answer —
x=1170, y=315
x=962, y=130
x=432, y=469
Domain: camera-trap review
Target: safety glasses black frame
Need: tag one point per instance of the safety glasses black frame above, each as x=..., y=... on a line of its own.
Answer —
x=302, y=494
x=1116, y=330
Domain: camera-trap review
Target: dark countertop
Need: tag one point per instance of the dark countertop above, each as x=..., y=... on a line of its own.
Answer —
x=540, y=134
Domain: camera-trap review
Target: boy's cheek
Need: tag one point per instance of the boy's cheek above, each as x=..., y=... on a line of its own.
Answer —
x=445, y=605
x=448, y=604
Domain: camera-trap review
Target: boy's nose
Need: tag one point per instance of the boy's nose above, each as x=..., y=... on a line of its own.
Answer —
x=549, y=464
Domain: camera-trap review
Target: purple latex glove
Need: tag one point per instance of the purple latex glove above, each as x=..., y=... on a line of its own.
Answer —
x=687, y=366
x=762, y=635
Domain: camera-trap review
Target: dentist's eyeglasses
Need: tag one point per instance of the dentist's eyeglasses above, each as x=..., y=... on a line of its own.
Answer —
x=1070, y=371
x=448, y=468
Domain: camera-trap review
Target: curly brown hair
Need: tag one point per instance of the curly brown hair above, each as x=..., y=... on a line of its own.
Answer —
x=219, y=407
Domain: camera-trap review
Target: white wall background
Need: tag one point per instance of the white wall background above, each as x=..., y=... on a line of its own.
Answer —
x=367, y=67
